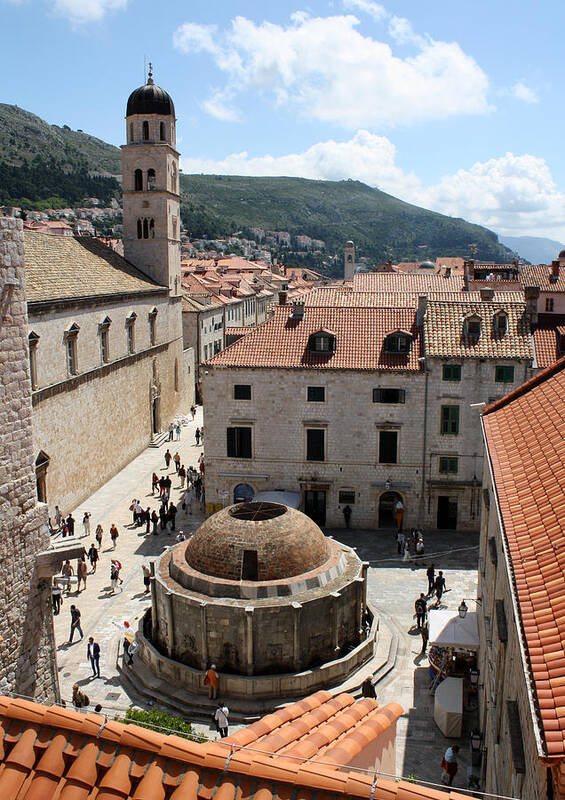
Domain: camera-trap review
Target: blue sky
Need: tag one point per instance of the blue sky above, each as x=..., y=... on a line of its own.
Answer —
x=455, y=107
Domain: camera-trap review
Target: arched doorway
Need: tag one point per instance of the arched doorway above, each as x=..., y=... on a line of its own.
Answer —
x=387, y=501
x=41, y=465
x=243, y=493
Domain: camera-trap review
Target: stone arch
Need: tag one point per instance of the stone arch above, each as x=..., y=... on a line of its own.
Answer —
x=145, y=229
x=41, y=466
x=151, y=180
x=138, y=180
x=387, y=501
x=139, y=229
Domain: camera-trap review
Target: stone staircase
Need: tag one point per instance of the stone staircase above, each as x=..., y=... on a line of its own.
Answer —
x=158, y=439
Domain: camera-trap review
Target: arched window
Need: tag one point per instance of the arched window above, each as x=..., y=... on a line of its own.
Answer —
x=139, y=229
x=131, y=131
x=138, y=180
x=173, y=178
x=145, y=131
x=41, y=465
x=33, y=340
x=176, y=374
x=162, y=131
x=145, y=229
x=150, y=179
x=152, y=228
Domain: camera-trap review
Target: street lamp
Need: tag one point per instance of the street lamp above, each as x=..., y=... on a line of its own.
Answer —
x=462, y=609
x=388, y=484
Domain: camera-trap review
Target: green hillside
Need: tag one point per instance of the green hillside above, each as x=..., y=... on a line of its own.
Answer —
x=381, y=226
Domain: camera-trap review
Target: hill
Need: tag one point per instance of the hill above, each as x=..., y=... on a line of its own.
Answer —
x=534, y=249
x=381, y=225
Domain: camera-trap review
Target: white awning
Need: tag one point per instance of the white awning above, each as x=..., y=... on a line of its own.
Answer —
x=291, y=499
x=448, y=629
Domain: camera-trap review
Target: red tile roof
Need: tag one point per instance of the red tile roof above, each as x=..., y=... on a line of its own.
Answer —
x=546, y=345
x=419, y=282
x=360, y=337
x=302, y=750
x=348, y=297
x=525, y=440
x=539, y=275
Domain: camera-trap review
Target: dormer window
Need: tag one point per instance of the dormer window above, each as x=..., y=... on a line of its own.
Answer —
x=473, y=327
x=398, y=342
x=500, y=321
x=322, y=342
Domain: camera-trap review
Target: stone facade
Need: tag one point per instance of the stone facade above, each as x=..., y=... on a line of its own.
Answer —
x=27, y=646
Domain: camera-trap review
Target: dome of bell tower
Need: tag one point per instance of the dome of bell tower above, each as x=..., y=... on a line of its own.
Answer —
x=150, y=99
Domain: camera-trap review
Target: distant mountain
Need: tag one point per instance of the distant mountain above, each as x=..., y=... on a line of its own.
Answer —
x=534, y=249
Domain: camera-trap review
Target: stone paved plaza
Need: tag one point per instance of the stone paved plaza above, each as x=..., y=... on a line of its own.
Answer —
x=393, y=587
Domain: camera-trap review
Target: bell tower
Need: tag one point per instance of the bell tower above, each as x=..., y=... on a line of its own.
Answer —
x=349, y=261
x=150, y=184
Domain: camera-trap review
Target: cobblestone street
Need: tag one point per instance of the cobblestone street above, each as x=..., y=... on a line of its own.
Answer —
x=393, y=587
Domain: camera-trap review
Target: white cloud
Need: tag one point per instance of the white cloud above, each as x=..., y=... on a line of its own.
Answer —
x=82, y=11
x=374, y=10
x=522, y=92
x=327, y=70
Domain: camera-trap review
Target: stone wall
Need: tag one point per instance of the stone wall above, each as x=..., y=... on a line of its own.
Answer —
x=27, y=649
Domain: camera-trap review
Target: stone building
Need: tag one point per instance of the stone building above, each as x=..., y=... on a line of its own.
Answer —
x=106, y=348
x=27, y=642
x=521, y=607
x=349, y=261
x=362, y=402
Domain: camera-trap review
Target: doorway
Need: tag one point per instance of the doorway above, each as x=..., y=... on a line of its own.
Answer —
x=446, y=512
x=249, y=566
x=386, y=509
x=155, y=416
x=315, y=506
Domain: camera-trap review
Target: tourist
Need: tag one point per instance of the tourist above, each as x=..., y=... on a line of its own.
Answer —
x=93, y=655
x=419, y=547
x=211, y=680
x=449, y=764
x=347, y=515
x=221, y=719
x=114, y=533
x=168, y=457
x=399, y=514
x=176, y=459
x=171, y=429
x=71, y=525
x=202, y=433
x=139, y=514
x=182, y=475
x=93, y=556
x=146, y=577
x=80, y=699
x=163, y=516
x=57, y=597
x=58, y=517
x=421, y=608
x=115, y=567
x=162, y=486
x=180, y=536
x=172, y=514
x=147, y=519
x=439, y=587
x=400, y=537
x=128, y=652
x=155, y=521
x=67, y=571
x=99, y=533
x=431, y=576
x=82, y=572
x=177, y=431
x=86, y=523
x=425, y=631
x=201, y=463
x=168, y=486
x=133, y=511
x=406, y=552
x=187, y=501
x=197, y=436
x=154, y=482
x=197, y=487
x=193, y=411
x=75, y=623
x=368, y=688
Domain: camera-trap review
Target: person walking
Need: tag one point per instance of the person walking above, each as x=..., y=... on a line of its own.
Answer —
x=75, y=623
x=171, y=429
x=146, y=578
x=155, y=522
x=172, y=515
x=128, y=651
x=93, y=655
x=58, y=518
x=114, y=533
x=70, y=525
x=177, y=432
x=197, y=436
x=449, y=765
x=431, y=576
x=163, y=516
x=82, y=572
x=201, y=465
x=211, y=680
x=168, y=486
x=93, y=557
x=221, y=719
x=57, y=597
x=80, y=699
x=399, y=514
x=193, y=411
x=176, y=459
x=182, y=475
x=67, y=571
x=400, y=538
x=421, y=608
x=439, y=586
x=187, y=501
x=406, y=551
x=425, y=631
x=115, y=567
x=99, y=533
x=197, y=487
x=347, y=515
x=168, y=457
x=86, y=523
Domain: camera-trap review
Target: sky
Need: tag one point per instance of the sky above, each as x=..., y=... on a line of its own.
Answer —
x=456, y=107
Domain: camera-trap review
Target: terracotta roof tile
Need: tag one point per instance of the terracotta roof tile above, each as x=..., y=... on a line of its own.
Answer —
x=539, y=275
x=346, y=297
x=419, y=282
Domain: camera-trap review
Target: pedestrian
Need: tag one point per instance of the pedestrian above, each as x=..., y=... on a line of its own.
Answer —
x=347, y=515
x=133, y=511
x=419, y=547
x=177, y=431
x=221, y=719
x=154, y=482
x=201, y=463
x=176, y=459
x=155, y=521
x=67, y=571
x=172, y=514
x=57, y=597
x=182, y=475
x=368, y=688
x=58, y=517
x=168, y=457
x=139, y=514
x=439, y=587
x=168, y=485
x=400, y=542
x=75, y=623
x=193, y=411
x=171, y=429
x=163, y=516
x=82, y=572
x=399, y=514
x=162, y=480
x=86, y=523
x=93, y=654
x=449, y=764
x=211, y=680
x=187, y=501
x=80, y=699
x=180, y=536
x=146, y=577
x=421, y=608
x=202, y=433
x=99, y=533
x=431, y=576
x=71, y=525
x=93, y=556
x=406, y=552
x=197, y=487
x=128, y=653
x=197, y=436
x=147, y=519
x=115, y=575
x=425, y=631
x=114, y=533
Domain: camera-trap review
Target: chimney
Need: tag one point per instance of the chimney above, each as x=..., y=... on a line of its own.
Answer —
x=283, y=296
x=487, y=295
x=297, y=310
x=471, y=268
x=422, y=306
x=389, y=265
x=554, y=271
x=447, y=273
x=465, y=276
x=532, y=294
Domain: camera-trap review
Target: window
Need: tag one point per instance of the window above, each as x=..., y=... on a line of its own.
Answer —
x=131, y=131
x=242, y=391
x=33, y=340
x=398, y=343
x=145, y=229
x=448, y=465
x=217, y=346
x=41, y=465
x=130, y=332
x=162, y=133
x=72, y=355
x=451, y=372
x=388, y=444
x=549, y=303
x=145, y=131
x=249, y=566
x=450, y=419
x=504, y=374
x=322, y=343
x=239, y=442
x=150, y=180
x=138, y=180
x=473, y=327
x=153, y=327
x=205, y=352
x=104, y=345
x=139, y=229
x=152, y=228
x=389, y=396
x=500, y=324
x=346, y=497
x=315, y=444
x=316, y=394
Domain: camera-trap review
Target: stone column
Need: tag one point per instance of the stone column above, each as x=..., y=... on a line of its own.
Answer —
x=249, y=639
x=170, y=624
x=297, y=655
x=154, y=625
